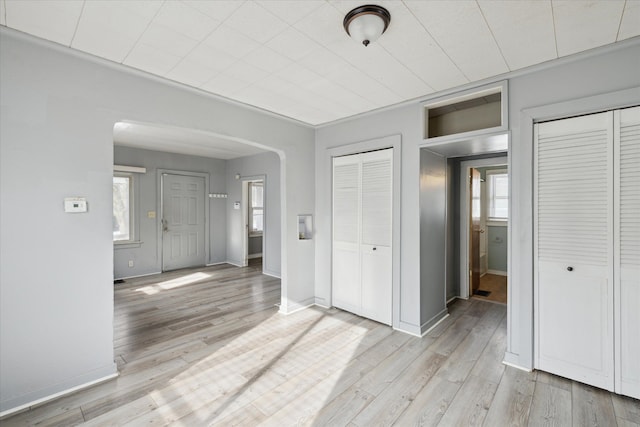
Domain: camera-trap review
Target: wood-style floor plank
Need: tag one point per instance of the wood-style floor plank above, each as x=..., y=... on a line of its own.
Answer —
x=207, y=346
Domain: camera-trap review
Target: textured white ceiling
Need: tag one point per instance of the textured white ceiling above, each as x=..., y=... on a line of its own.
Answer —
x=292, y=57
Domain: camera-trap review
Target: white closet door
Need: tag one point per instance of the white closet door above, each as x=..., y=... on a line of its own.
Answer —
x=361, y=247
x=574, y=249
x=376, y=235
x=627, y=273
x=346, y=233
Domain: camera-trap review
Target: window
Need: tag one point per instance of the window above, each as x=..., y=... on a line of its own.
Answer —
x=498, y=194
x=122, y=208
x=256, y=208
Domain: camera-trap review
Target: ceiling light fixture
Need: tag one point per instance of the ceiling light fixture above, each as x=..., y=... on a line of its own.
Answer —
x=366, y=23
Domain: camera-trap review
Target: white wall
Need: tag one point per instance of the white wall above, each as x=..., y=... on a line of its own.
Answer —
x=56, y=140
x=267, y=165
x=147, y=256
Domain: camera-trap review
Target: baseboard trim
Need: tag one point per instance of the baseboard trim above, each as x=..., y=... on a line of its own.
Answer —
x=43, y=400
x=135, y=277
x=497, y=272
x=271, y=273
x=433, y=322
x=504, y=362
x=295, y=307
x=233, y=263
x=408, y=328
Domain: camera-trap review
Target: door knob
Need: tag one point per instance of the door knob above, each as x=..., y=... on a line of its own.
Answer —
x=375, y=249
x=569, y=268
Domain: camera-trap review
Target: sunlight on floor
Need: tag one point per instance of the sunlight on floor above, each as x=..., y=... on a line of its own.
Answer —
x=173, y=283
x=271, y=378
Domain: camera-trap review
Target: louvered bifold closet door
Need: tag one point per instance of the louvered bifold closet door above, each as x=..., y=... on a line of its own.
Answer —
x=376, y=235
x=627, y=272
x=574, y=248
x=346, y=291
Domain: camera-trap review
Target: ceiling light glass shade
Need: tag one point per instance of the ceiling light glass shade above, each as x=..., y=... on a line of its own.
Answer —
x=367, y=23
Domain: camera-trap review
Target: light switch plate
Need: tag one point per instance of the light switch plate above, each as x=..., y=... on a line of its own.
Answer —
x=151, y=214
x=236, y=205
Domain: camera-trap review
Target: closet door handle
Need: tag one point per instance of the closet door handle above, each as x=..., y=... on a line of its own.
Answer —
x=569, y=268
x=375, y=249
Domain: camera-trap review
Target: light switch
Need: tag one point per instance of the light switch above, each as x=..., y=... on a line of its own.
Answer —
x=151, y=214
x=236, y=205
x=75, y=204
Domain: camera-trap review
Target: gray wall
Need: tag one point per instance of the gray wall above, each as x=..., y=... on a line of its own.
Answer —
x=255, y=245
x=56, y=140
x=497, y=247
x=600, y=71
x=405, y=121
x=147, y=256
x=497, y=236
x=433, y=228
x=267, y=165
x=453, y=228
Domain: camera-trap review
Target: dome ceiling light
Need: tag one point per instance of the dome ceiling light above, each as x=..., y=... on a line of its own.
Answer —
x=366, y=23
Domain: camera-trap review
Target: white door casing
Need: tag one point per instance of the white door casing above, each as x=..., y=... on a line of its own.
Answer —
x=183, y=221
x=362, y=234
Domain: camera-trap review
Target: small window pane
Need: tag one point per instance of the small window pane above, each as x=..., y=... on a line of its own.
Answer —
x=498, y=196
x=256, y=222
x=121, y=208
x=256, y=195
x=256, y=206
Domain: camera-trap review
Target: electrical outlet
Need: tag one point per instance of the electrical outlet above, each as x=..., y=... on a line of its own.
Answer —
x=130, y=263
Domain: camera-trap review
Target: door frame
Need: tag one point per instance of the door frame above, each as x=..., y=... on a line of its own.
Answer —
x=465, y=165
x=395, y=143
x=244, y=205
x=159, y=209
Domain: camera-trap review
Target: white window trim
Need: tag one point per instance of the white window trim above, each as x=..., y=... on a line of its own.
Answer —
x=253, y=233
x=491, y=221
x=132, y=241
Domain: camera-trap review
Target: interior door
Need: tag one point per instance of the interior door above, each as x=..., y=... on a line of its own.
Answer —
x=627, y=251
x=574, y=279
x=474, y=230
x=183, y=221
x=362, y=225
x=346, y=290
x=376, y=235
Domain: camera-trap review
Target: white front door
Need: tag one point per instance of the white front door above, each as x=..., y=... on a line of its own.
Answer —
x=183, y=221
x=574, y=249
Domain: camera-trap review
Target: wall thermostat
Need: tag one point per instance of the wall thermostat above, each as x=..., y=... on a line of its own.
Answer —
x=75, y=204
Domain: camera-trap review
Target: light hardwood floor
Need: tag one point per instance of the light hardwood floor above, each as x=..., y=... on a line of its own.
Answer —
x=208, y=347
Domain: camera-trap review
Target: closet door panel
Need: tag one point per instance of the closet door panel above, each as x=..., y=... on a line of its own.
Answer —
x=627, y=157
x=574, y=283
x=346, y=235
x=376, y=284
x=376, y=235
